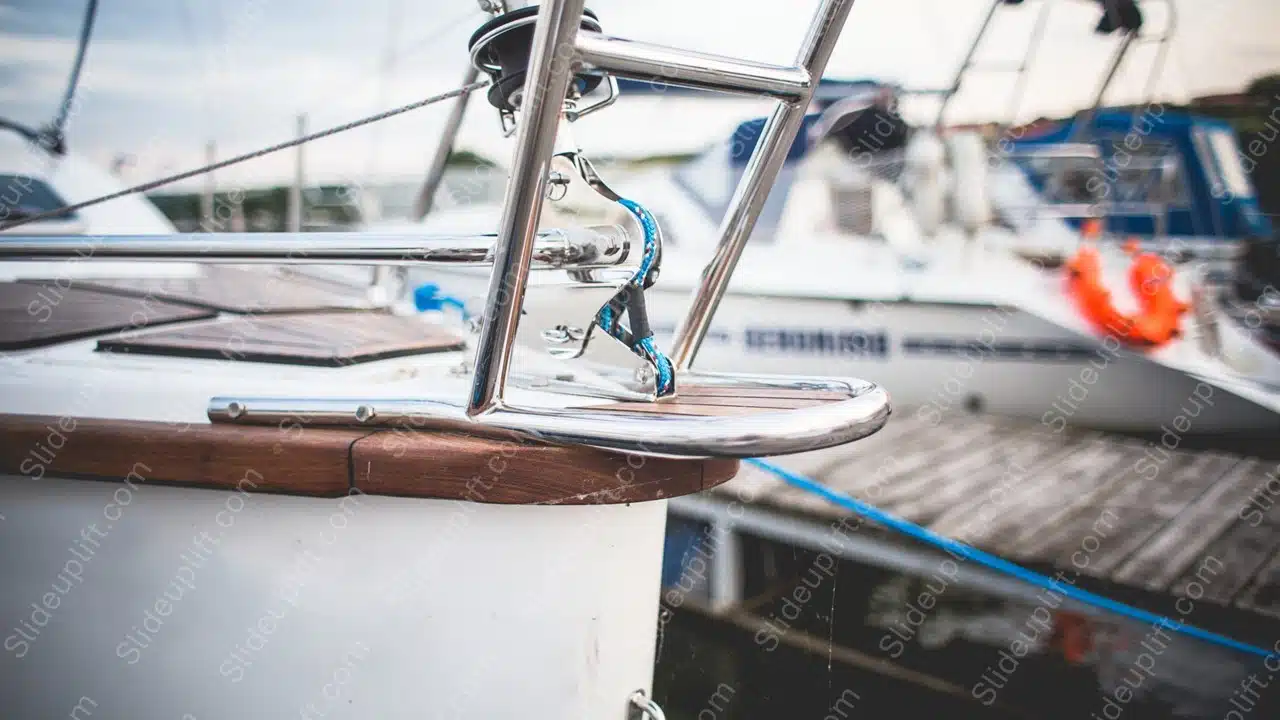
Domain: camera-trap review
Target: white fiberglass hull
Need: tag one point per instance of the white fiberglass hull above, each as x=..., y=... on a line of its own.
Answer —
x=135, y=599
x=162, y=602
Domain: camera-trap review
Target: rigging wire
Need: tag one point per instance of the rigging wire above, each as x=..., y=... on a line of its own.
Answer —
x=151, y=185
x=999, y=564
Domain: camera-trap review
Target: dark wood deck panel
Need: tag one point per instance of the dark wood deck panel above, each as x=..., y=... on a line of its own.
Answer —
x=330, y=462
x=322, y=339
x=36, y=315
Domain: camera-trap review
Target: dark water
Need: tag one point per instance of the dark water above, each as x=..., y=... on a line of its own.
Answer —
x=712, y=668
x=709, y=672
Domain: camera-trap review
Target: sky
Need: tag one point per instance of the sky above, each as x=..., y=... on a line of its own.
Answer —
x=163, y=78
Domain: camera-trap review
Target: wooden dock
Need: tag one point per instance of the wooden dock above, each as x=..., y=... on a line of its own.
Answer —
x=1189, y=534
x=1128, y=511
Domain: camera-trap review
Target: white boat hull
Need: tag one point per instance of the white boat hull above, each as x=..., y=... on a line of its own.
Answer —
x=365, y=607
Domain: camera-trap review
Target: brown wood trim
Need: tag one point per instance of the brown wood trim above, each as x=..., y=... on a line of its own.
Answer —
x=330, y=462
x=262, y=459
x=449, y=465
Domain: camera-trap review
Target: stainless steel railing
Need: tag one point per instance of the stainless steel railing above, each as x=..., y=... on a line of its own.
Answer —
x=580, y=248
x=558, y=48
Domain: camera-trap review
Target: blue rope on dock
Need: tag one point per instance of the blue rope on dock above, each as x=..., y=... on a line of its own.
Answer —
x=998, y=564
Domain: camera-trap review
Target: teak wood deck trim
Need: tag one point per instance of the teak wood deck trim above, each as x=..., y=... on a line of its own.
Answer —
x=709, y=400
x=331, y=462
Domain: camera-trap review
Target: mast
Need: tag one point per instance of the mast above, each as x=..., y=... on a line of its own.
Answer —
x=1021, y=69
x=210, y=186
x=1131, y=36
x=435, y=172
x=53, y=137
x=299, y=177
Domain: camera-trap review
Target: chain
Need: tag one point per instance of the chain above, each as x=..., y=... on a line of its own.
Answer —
x=151, y=185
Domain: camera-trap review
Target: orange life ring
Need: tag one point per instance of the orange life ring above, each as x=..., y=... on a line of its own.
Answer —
x=1150, y=280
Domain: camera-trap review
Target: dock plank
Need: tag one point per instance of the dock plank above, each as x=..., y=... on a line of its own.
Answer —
x=1140, y=509
x=1232, y=561
x=873, y=478
x=1181, y=543
x=863, y=463
x=1035, y=527
x=1262, y=594
x=820, y=463
x=993, y=476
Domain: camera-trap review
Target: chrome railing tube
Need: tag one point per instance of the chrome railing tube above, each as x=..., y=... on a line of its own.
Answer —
x=771, y=150
x=598, y=246
x=550, y=68
x=672, y=66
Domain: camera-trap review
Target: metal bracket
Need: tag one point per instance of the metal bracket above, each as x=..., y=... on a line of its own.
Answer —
x=642, y=707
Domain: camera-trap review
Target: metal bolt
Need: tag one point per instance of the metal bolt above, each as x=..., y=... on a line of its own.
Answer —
x=365, y=413
x=563, y=334
x=557, y=185
x=644, y=375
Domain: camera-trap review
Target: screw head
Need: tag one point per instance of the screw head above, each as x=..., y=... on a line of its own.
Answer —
x=365, y=413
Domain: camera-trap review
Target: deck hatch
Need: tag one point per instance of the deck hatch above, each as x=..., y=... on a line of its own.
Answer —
x=237, y=290
x=35, y=315
x=329, y=339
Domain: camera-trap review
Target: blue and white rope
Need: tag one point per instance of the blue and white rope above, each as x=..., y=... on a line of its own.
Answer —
x=610, y=315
